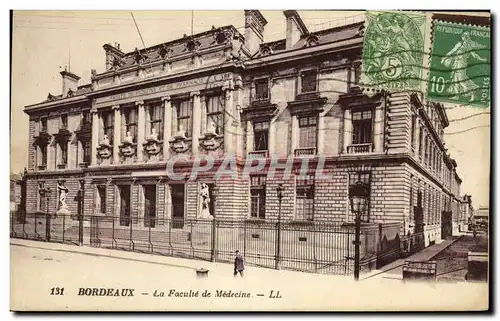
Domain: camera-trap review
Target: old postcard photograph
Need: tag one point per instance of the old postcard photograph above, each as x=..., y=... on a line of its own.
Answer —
x=250, y=160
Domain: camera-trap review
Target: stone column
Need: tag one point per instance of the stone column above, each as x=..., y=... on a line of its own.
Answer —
x=117, y=134
x=141, y=126
x=249, y=137
x=195, y=98
x=167, y=125
x=228, y=112
x=347, y=129
x=320, y=144
x=95, y=136
x=294, y=138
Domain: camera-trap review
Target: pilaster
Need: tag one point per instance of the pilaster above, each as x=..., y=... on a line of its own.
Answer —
x=167, y=128
x=195, y=99
x=141, y=118
x=116, y=134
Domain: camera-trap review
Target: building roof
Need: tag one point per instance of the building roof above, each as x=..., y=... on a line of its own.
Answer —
x=16, y=177
x=482, y=211
x=314, y=38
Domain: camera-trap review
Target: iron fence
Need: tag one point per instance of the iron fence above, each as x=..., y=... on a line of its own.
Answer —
x=318, y=247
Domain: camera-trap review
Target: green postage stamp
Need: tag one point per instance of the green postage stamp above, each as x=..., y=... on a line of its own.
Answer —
x=460, y=66
x=394, y=54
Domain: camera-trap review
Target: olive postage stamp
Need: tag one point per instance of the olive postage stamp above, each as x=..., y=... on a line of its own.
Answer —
x=460, y=66
x=394, y=55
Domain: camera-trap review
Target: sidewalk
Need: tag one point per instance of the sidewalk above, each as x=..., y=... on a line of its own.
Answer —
x=216, y=270
x=394, y=270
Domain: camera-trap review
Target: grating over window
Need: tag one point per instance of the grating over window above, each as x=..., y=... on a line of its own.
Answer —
x=362, y=124
x=309, y=81
x=307, y=131
x=261, y=135
x=215, y=113
x=304, y=197
x=184, y=111
x=258, y=196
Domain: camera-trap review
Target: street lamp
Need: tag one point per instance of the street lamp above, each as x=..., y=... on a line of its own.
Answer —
x=279, y=192
x=81, y=195
x=358, y=198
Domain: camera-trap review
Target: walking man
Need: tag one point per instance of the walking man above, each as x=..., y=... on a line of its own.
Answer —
x=238, y=264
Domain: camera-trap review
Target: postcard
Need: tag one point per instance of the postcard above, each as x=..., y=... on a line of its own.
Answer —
x=250, y=160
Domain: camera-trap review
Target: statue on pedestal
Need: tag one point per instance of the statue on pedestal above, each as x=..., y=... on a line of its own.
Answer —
x=128, y=138
x=154, y=134
x=205, y=195
x=105, y=141
x=63, y=191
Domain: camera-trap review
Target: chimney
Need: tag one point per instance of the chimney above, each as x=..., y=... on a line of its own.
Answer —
x=69, y=81
x=112, y=52
x=254, y=30
x=295, y=28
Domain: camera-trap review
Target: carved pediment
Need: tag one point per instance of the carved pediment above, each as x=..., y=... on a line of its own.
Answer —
x=180, y=143
x=356, y=97
x=43, y=138
x=104, y=151
x=152, y=146
x=164, y=51
x=63, y=135
x=127, y=149
x=259, y=109
x=211, y=141
x=306, y=103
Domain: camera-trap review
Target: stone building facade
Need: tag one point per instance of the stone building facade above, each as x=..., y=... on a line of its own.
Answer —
x=224, y=94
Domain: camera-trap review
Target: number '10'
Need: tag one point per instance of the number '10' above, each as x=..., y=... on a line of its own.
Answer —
x=437, y=85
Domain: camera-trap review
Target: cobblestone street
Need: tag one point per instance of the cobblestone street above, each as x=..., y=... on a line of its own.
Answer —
x=452, y=262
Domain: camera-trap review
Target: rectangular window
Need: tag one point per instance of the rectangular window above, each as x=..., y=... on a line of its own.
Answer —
x=108, y=124
x=258, y=196
x=42, y=160
x=261, y=135
x=362, y=124
x=63, y=158
x=86, y=117
x=413, y=131
x=307, y=132
x=309, y=81
x=101, y=199
x=156, y=118
x=43, y=124
x=262, y=89
x=149, y=205
x=64, y=121
x=304, y=197
x=426, y=149
x=86, y=147
x=124, y=192
x=215, y=114
x=184, y=111
x=131, y=122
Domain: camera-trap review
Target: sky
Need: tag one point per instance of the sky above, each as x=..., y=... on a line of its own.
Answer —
x=44, y=42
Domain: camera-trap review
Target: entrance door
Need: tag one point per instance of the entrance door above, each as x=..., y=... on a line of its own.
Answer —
x=149, y=205
x=177, y=192
x=125, y=205
x=446, y=224
x=418, y=241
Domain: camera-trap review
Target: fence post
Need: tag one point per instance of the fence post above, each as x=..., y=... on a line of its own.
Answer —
x=64, y=227
x=213, y=251
x=278, y=246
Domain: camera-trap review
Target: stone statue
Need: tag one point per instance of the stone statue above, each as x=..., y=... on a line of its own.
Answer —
x=212, y=129
x=181, y=132
x=105, y=140
x=154, y=134
x=205, y=195
x=128, y=138
x=63, y=191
